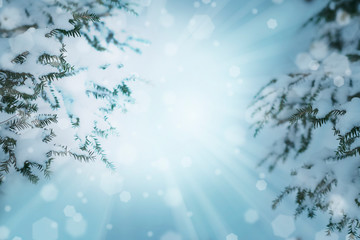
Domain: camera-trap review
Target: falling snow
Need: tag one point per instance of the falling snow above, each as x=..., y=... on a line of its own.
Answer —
x=272, y=23
x=251, y=216
x=45, y=229
x=49, y=192
x=125, y=196
x=261, y=185
x=173, y=197
x=4, y=232
x=69, y=211
x=76, y=228
x=231, y=236
x=171, y=236
x=283, y=226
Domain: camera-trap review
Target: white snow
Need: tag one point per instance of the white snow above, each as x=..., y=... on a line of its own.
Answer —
x=10, y=18
x=319, y=49
x=22, y=42
x=339, y=81
x=62, y=21
x=303, y=61
x=324, y=106
x=336, y=64
x=342, y=17
x=338, y=206
x=351, y=118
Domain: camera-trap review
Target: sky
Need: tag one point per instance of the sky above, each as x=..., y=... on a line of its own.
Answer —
x=185, y=155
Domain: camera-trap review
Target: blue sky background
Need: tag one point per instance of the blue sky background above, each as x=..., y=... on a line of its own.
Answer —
x=185, y=154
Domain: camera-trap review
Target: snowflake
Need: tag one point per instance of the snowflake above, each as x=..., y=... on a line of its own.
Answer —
x=4, y=232
x=173, y=197
x=76, y=228
x=49, y=192
x=45, y=229
x=125, y=196
x=69, y=211
x=111, y=184
x=339, y=81
x=342, y=18
x=261, y=185
x=251, y=216
x=77, y=217
x=7, y=208
x=232, y=236
x=283, y=226
x=272, y=23
x=171, y=236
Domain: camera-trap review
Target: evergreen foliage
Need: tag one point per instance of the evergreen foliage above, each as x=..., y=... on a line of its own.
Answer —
x=319, y=100
x=32, y=97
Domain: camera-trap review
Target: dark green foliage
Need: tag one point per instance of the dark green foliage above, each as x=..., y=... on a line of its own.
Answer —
x=21, y=108
x=298, y=116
